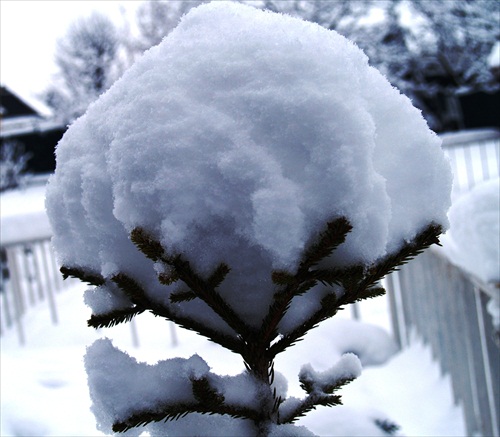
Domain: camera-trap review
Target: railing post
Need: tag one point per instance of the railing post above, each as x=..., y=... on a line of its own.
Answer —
x=447, y=308
x=486, y=363
x=16, y=293
x=50, y=292
x=396, y=309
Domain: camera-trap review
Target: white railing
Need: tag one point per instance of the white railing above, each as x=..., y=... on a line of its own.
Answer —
x=474, y=157
x=448, y=308
x=30, y=277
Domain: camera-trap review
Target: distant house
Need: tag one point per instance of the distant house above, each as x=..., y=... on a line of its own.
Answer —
x=22, y=125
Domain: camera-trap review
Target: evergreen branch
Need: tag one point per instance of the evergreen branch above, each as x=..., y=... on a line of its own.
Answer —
x=388, y=427
x=91, y=278
x=277, y=310
x=176, y=411
x=328, y=277
x=182, y=271
x=182, y=296
x=113, y=318
x=205, y=394
x=208, y=294
x=233, y=344
x=332, y=388
x=282, y=277
x=317, y=395
x=392, y=262
x=308, y=404
x=351, y=276
x=218, y=275
x=138, y=296
x=333, y=236
x=162, y=414
x=329, y=307
x=168, y=278
x=358, y=284
x=151, y=248
x=131, y=289
x=361, y=294
x=279, y=307
x=305, y=279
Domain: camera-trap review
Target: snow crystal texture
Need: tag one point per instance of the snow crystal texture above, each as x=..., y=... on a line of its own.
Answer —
x=235, y=140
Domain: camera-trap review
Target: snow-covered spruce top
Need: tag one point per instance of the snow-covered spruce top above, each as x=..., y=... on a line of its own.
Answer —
x=236, y=139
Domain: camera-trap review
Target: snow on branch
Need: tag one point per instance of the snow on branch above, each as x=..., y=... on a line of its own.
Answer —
x=181, y=386
x=320, y=387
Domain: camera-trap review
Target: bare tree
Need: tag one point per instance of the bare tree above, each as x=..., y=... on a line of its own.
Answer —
x=155, y=20
x=13, y=160
x=431, y=50
x=442, y=54
x=88, y=63
x=340, y=15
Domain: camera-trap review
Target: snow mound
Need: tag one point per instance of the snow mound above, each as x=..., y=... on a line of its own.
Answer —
x=235, y=140
x=472, y=241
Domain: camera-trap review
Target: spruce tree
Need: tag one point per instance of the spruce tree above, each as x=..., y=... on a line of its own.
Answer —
x=246, y=179
x=258, y=348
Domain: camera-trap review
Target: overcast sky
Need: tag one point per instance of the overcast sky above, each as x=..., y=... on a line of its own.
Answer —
x=29, y=31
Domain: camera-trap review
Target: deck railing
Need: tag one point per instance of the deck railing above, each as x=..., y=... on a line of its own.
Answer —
x=447, y=307
x=474, y=157
x=30, y=277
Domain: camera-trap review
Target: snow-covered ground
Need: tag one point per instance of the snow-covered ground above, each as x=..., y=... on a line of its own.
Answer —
x=44, y=385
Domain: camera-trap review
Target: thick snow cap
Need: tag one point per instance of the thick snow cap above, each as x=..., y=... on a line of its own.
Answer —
x=236, y=139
